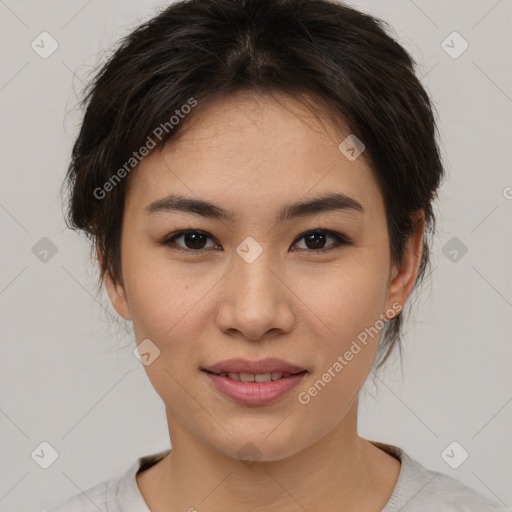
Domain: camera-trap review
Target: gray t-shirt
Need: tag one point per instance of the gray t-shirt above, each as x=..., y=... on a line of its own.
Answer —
x=417, y=490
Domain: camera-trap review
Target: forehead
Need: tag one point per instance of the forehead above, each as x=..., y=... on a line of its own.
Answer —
x=253, y=151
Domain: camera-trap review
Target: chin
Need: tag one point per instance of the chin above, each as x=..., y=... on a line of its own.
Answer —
x=266, y=446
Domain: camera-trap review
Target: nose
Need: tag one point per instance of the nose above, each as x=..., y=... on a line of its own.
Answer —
x=255, y=301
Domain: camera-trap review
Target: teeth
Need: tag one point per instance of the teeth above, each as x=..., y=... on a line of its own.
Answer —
x=255, y=377
x=263, y=377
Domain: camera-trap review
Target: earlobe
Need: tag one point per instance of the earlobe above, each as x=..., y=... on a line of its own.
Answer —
x=115, y=290
x=404, y=276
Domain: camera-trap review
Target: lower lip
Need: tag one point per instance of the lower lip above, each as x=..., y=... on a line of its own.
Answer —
x=255, y=393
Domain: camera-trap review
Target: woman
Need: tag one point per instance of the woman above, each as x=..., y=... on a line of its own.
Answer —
x=258, y=178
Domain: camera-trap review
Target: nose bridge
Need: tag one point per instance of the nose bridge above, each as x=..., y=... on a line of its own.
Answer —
x=252, y=263
x=254, y=300
x=257, y=278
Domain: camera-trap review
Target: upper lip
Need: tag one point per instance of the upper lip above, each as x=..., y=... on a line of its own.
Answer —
x=268, y=365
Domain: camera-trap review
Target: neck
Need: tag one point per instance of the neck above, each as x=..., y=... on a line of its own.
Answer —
x=341, y=471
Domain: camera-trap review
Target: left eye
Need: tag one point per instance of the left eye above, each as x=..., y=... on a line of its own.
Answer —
x=315, y=239
x=195, y=240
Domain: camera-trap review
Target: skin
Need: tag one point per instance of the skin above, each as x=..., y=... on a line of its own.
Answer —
x=251, y=155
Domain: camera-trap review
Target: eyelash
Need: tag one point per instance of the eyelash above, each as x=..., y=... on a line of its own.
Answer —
x=169, y=241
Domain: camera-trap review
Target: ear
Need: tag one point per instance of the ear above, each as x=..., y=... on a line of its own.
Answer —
x=403, y=276
x=115, y=290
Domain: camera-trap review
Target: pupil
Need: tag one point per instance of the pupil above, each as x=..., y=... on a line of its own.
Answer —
x=318, y=244
x=193, y=240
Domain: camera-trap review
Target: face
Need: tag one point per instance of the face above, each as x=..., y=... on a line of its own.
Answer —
x=260, y=281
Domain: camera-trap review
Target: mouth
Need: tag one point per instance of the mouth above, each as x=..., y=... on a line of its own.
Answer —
x=256, y=377
x=245, y=369
x=254, y=382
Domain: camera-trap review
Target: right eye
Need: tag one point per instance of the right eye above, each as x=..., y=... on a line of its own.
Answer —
x=194, y=240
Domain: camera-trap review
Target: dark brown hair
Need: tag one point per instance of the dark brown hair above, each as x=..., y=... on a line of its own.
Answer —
x=203, y=50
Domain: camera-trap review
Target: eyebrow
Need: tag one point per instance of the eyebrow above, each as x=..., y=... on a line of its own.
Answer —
x=327, y=203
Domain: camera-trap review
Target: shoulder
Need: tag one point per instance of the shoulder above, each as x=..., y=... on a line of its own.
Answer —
x=419, y=489
x=444, y=489
x=118, y=494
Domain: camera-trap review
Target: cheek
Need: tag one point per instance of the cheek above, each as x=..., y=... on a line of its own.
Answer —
x=168, y=310
x=344, y=311
x=161, y=294
x=165, y=310
x=345, y=298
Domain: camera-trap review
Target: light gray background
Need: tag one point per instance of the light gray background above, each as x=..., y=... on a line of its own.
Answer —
x=68, y=374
